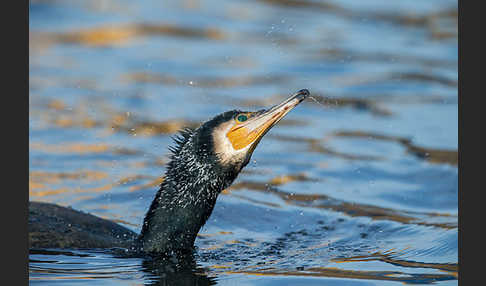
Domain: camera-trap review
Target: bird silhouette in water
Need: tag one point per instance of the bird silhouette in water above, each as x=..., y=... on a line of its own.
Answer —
x=204, y=161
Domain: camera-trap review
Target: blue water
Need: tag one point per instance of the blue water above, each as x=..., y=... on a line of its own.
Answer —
x=369, y=211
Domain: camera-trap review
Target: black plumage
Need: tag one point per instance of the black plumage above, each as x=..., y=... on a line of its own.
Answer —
x=186, y=198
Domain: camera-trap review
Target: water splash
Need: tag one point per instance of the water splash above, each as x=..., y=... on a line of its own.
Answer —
x=316, y=101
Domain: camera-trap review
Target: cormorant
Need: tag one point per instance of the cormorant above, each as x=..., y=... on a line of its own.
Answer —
x=204, y=161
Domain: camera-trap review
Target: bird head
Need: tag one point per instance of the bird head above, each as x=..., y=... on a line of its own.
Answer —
x=233, y=135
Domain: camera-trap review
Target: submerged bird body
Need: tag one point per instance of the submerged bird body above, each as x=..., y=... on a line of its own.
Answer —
x=204, y=162
x=53, y=226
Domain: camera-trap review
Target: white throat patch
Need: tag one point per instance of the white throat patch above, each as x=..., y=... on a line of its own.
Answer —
x=223, y=147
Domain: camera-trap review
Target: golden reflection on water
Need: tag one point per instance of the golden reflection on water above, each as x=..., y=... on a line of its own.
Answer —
x=42, y=184
x=145, y=77
x=81, y=148
x=53, y=177
x=120, y=34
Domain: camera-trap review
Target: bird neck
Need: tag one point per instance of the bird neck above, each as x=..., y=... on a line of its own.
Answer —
x=185, y=199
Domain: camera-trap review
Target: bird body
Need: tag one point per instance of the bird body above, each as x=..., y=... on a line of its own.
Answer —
x=204, y=161
x=53, y=226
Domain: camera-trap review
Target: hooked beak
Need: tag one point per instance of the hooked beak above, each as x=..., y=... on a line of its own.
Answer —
x=252, y=130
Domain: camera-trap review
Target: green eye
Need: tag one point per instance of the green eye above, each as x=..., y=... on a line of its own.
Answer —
x=242, y=118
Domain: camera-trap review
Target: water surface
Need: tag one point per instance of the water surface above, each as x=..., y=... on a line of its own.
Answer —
x=356, y=187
